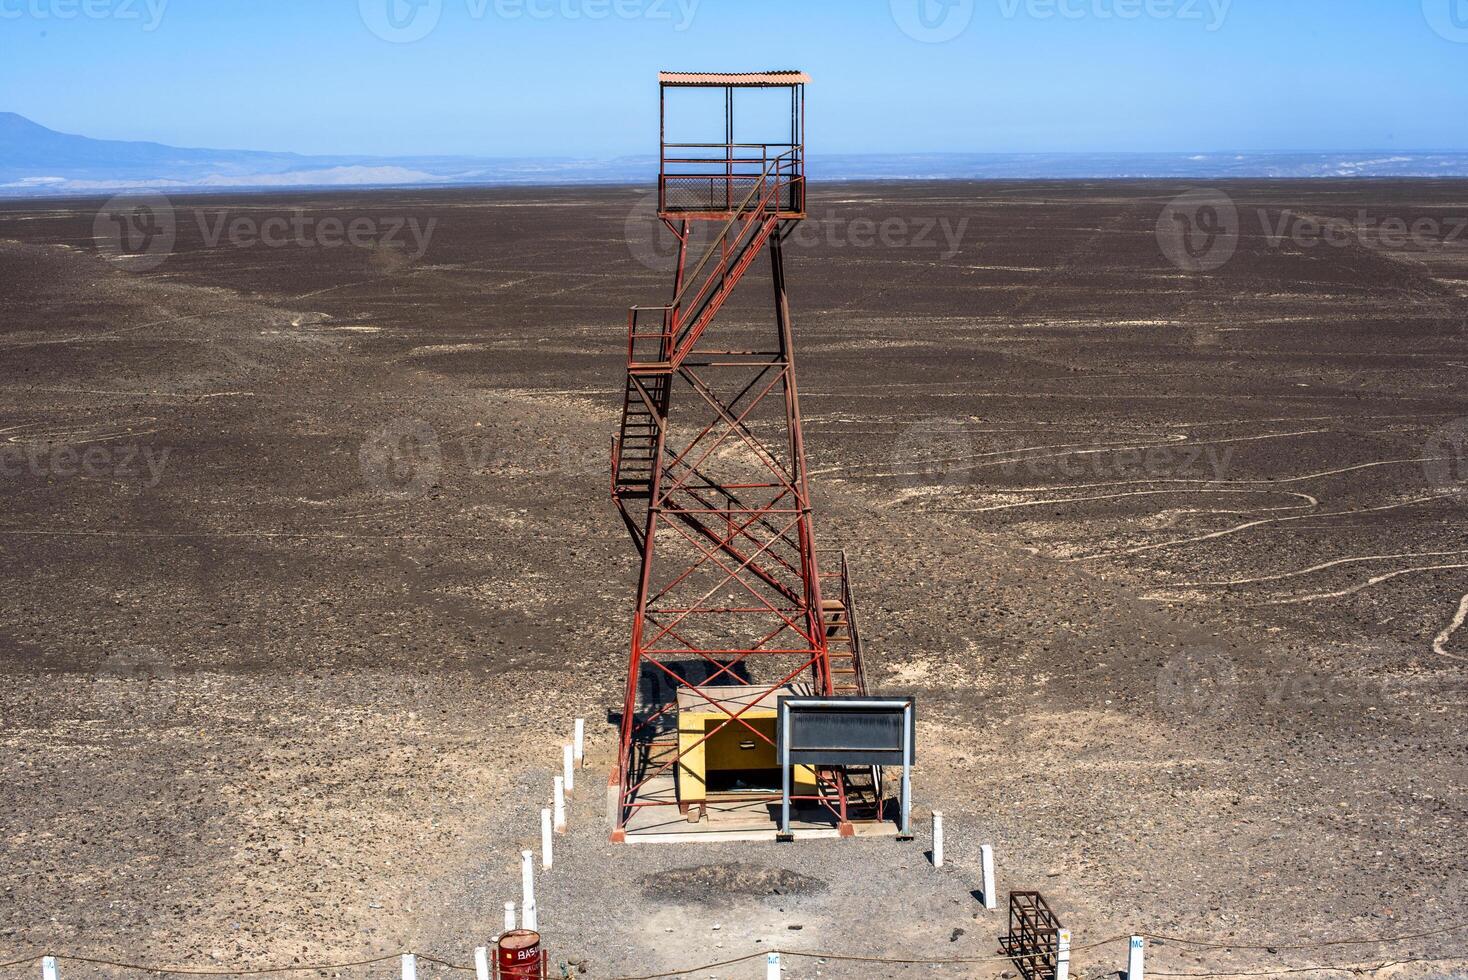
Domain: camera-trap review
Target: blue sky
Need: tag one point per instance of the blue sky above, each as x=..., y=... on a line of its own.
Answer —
x=577, y=77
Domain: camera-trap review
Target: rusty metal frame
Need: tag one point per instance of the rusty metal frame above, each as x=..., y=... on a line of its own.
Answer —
x=717, y=500
x=1033, y=941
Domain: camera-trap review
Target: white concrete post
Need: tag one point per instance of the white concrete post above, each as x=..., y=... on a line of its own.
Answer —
x=528, y=917
x=991, y=897
x=560, y=804
x=568, y=769
x=1135, y=954
x=410, y=967
x=509, y=917
x=1062, y=955
x=772, y=966
x=579, y=742
x=545, y=839
x=481, y=964
x=48, y=968
x=937, y=838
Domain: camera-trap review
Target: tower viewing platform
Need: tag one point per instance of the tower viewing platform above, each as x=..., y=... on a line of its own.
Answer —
x=757, y=159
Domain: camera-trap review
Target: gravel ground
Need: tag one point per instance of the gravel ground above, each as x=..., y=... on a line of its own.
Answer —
x=1170, y=561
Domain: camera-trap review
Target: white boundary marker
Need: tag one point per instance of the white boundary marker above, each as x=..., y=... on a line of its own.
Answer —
x=48, y=968
x=529, y=917
x=410, y=967
x=509, y=917
x=560, y=804
x=1062, y=955
x=937, y=838
x=772, y=966
x=991, y=897
x=481, y=963
x=1136, y=959
x=568, y=769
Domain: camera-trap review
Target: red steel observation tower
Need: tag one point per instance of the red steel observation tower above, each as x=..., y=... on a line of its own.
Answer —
x=708, y=472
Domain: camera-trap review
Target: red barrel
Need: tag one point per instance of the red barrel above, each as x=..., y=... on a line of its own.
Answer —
x=519, y=955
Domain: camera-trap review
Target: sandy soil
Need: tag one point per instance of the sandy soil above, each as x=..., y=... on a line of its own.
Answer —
x=1171, y=559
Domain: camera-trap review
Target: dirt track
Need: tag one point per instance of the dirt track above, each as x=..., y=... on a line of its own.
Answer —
x=1170, y=559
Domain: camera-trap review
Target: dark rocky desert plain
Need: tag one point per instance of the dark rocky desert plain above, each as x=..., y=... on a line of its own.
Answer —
x=1158, y=510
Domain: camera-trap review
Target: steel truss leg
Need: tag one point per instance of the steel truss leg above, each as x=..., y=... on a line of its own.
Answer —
x=735, y=531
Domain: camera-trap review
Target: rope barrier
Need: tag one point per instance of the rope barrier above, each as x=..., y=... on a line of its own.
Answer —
x=706, y=966
x=1354, y=968
x=235, y=972
x=834, y=957
x=1316, y=945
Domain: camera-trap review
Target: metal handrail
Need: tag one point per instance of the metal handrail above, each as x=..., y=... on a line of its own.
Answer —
x=848, y=600
x=765, y=188
x=688, y=282
x=751, y=161
x=739, y=146
x=726, y=166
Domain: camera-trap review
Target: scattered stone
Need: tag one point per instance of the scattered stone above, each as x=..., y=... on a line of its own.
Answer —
x=714, y=882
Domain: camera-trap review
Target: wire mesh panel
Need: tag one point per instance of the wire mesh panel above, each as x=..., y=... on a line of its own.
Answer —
x=705, y=193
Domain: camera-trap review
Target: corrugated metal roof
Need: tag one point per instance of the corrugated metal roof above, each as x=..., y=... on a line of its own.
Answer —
x=753, y=78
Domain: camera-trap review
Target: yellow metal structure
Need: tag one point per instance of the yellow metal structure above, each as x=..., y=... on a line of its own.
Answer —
x=734, y=759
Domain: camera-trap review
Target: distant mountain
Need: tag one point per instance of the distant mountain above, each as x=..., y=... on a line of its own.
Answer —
x=35, y=160
x=1099, y=166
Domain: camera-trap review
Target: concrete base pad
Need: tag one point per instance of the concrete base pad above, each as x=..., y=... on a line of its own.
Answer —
x=726, y=820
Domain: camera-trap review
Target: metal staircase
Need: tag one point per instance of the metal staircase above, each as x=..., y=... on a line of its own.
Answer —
x=654, y=355
x=637, y=449
x=843, y=642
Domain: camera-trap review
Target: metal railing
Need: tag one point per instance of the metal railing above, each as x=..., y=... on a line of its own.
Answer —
x=676, y=320
x=849, y=601
x=705, y=183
